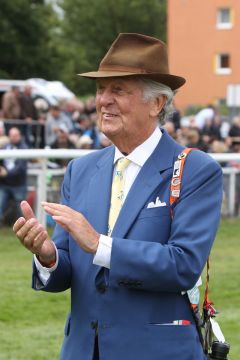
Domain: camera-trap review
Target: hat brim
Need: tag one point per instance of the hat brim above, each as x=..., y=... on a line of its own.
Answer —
x=173, y=81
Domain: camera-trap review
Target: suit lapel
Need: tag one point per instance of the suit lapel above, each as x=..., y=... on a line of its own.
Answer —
x=146, y=182
x=99, y=193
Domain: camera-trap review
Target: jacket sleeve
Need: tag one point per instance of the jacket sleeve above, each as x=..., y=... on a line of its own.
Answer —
x=177, y=265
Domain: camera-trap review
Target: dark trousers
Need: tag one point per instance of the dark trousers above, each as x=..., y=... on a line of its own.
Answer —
x=7, y=192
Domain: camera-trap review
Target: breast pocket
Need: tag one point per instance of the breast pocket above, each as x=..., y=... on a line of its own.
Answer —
x=152, y=224
x=155, y=212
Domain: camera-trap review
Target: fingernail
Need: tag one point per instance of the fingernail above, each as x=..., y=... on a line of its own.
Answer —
x=32, y=221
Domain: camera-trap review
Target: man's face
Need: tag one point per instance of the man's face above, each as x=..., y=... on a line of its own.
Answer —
x=122, y=112
x=55, y=112
x=16, y=91
x=14, y=136
x=62, y=136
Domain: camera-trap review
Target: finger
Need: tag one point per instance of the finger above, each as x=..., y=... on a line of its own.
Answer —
x=52, y=211
x=29, y=238
x=18, y=224
x=38, y=242
x=33, y=233
x=25, y=229
x=56, y=206
x=52, y=205
x=62, y=221
x=27, y=210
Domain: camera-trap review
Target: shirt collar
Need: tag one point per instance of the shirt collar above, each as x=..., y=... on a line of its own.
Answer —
x=142, y=152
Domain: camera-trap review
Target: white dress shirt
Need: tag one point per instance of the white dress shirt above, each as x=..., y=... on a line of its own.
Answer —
x=138, y=157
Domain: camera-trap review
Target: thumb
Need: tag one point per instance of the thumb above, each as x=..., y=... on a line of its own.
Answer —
x=27, y=210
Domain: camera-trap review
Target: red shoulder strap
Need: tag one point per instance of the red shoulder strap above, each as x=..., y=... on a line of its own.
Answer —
x=175, y=187
x=175, y=190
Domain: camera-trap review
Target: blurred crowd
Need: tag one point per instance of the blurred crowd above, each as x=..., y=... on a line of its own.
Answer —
x=69, y=124
x=72, y=124
x=207, y=130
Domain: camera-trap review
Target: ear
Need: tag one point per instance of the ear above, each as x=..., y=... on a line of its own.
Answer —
x=157, y=105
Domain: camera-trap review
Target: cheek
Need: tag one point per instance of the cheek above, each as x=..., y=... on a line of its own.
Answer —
x=97, y=103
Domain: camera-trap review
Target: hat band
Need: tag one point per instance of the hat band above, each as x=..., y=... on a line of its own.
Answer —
x=123, y=69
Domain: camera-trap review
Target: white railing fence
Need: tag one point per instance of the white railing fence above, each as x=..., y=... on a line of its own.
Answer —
x=41, y=173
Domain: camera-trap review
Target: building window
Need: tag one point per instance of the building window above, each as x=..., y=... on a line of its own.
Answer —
x=224, y=18
x=222, y=64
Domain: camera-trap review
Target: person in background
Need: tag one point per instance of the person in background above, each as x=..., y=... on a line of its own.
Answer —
x=104, y=141
x=4, y=139
x=235, y=148
x=28, y=108
x=175, y=118
x=86, y=126
x=55, y=118
x=90, y=105
x=170, y=128
x=28, y=114
x=194, y=140
x=212, y=130
x=13, y=175
x=84, y=142
x=203, y=115
x=218, y=146
x=234, y=130
x=62, y=142
x=11, y=105
x=11, y=109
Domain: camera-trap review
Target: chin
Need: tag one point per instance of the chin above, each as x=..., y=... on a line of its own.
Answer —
x=111, y=133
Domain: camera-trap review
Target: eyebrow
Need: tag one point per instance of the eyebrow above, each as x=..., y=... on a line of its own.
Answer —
x=118, y=81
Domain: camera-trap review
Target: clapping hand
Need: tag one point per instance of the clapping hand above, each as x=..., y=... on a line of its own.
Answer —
x=34, y=236
x=76, y=224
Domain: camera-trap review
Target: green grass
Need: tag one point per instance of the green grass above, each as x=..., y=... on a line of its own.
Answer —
x=225, y=283
x=31, y=323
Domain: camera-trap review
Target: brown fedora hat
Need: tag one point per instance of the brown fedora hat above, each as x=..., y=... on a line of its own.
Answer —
x=137, y=54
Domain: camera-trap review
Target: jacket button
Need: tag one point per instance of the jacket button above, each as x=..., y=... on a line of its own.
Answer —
x=94, y=325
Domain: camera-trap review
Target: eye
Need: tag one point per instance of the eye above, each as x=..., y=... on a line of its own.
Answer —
x=118, y=90
x=100, y=89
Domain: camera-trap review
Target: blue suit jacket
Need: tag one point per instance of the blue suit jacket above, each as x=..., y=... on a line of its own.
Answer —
x=154, y=258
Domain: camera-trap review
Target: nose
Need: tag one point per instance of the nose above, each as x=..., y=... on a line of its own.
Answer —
x=104, y=97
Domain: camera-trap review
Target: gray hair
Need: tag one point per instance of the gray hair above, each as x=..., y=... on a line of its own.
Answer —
x=152, y=89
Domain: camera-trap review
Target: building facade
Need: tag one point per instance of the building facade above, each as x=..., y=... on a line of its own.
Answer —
x=204, y=47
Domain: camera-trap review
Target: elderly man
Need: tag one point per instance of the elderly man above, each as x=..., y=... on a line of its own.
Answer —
x=127, y=261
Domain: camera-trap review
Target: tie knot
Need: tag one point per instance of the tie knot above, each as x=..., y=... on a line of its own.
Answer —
x=122, y=164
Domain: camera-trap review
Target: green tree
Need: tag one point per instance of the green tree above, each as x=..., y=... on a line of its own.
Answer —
x=36, y=42
x=27, y=32
x=90, y=26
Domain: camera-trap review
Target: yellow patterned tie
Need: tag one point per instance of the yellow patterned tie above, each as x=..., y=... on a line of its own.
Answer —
x=117, y=192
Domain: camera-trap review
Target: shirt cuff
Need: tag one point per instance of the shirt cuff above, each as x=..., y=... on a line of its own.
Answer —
x=104, y=250
x=45, y=272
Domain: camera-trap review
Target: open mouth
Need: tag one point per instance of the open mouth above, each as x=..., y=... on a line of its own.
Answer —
x=109, y=115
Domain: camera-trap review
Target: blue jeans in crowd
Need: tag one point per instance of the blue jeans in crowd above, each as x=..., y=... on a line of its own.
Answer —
x=17, y=193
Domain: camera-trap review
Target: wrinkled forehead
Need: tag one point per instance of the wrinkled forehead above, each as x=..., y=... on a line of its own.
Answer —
x=118, y=80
